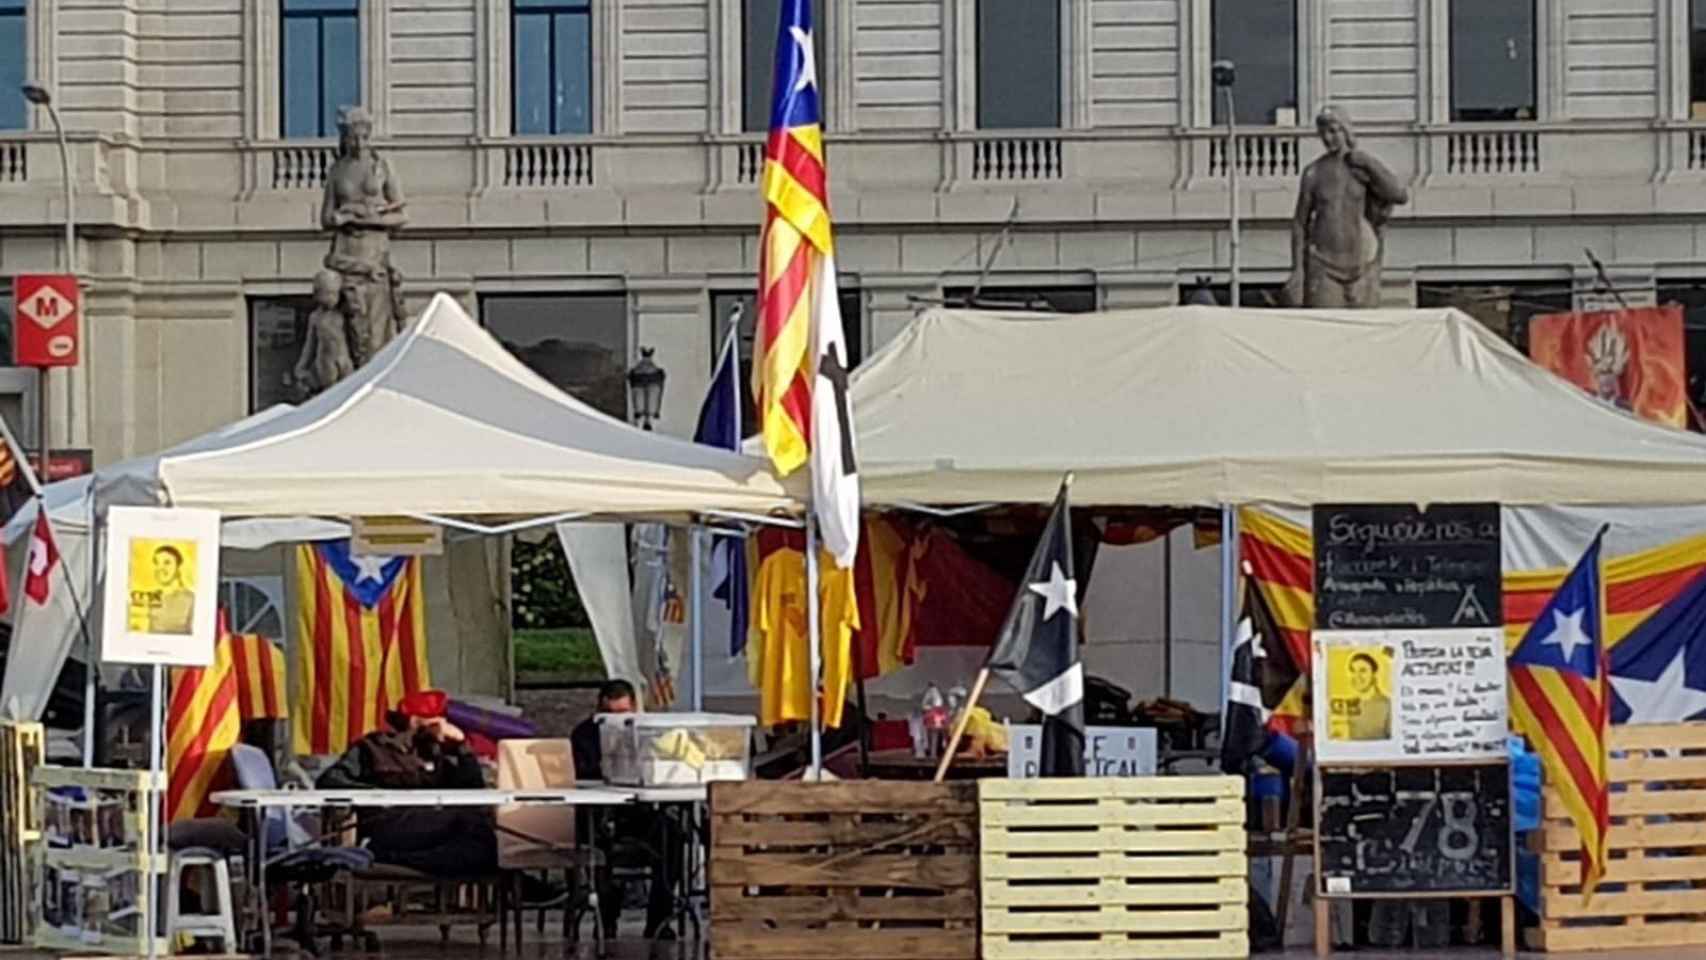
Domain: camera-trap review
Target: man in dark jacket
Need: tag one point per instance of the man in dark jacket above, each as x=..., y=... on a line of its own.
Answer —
x=419, y=749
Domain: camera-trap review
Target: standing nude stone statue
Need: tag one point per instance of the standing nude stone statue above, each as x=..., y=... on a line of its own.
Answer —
x=363, y=206
x=1337, y=234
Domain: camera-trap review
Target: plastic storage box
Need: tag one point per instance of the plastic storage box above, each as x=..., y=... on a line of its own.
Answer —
x=675, y=749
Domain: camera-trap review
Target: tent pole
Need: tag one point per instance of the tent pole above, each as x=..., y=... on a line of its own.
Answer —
x=1167, y=615
x=814, y=645
x=696, y=584
x=1228, y=597
x=91, y=661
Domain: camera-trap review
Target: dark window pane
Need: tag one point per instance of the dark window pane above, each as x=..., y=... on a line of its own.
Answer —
x=1691, y=296
x=301, y=93
x=1260, y=38
x=14, y=110
x=5, y=324
x=277, y=326
x=1504, y=308
x=723, y=308
x=1018, y=64
x=532, y=43
x=1492, y=60
x=762, y=20
x=573, y=36
x=1697, y=57
x=1249, y=294
x=577, y=342
x=340, y=69
x=1047, y=299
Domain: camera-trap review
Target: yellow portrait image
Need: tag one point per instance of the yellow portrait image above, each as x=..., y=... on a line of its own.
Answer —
x=1359, y=692
x=162, y=586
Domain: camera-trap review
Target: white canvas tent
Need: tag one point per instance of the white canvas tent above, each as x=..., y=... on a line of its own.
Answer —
x=1205, y=406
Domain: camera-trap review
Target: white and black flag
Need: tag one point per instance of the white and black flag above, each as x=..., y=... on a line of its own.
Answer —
x=1036, y=652
x=1261, y=676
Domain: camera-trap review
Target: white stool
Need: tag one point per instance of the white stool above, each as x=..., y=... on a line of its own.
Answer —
x=219, y=923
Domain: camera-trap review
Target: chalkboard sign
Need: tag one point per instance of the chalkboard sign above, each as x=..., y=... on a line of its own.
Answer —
x=1415, y=830
x=1392, y=566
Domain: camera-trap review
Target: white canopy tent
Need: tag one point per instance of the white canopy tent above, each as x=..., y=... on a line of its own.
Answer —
x=1206, y=406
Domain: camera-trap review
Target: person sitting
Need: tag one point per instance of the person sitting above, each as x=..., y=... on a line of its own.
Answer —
x=418, y=749
x=638, y=824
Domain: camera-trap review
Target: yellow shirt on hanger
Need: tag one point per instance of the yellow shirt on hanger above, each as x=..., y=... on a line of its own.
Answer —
x=778, y=662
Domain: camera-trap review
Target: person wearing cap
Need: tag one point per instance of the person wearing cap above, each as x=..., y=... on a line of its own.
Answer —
x=419, y=749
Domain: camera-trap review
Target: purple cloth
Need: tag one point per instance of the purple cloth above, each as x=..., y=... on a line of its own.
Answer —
x=489, y=723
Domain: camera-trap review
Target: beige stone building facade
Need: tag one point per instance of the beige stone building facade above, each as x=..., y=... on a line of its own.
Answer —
x=582, y=173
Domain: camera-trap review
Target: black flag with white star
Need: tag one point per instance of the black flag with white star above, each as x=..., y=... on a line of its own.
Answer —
x=1262, y=674
x=1036, y=652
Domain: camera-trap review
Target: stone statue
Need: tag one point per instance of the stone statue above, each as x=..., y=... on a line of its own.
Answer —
x=363, y=206
x=325, y=350
x=1337, y=234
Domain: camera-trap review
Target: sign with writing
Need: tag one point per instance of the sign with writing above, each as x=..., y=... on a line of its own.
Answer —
x=1415, y=830
x=47, y=308
x=65, y=464
x=395, y=537
x=162, y=586
x=1388, y=566
x=1108, y=751
x=1404, y=695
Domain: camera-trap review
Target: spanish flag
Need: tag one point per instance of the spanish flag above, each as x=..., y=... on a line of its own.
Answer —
x=361, y=643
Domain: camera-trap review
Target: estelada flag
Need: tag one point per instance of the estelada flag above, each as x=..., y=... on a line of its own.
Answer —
x=203, y=722
x=1630, y=358
x=361, y=643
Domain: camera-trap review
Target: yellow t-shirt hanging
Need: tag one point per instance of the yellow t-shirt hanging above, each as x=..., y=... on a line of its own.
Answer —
x=777, y=658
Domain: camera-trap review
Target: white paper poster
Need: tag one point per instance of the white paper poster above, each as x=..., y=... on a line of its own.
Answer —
x=162, y=584
x=1108, y=751
x=1394, y=695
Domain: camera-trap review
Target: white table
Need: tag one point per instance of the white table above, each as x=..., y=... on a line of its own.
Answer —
x=261, y=801
x=685, y=794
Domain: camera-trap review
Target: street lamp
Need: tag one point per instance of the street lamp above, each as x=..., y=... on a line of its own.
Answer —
x=40, y=96
x=1225, y=74
x=645, y=388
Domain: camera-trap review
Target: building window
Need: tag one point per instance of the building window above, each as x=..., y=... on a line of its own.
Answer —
x=1047, y=299
x=1260, y=38
x=1492, y=60
x=14, y=112
x=320, y=64
x=1504, y=308
x=1264, y=295
x=277, y=328
x=758, y=57
x=1691, y=296
x=579, y=342
x=1018, y=64
x=552, y=43
x=1697, y=59
x=723, y=307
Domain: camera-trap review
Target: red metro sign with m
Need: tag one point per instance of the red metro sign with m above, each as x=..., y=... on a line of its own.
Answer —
x=45, y=308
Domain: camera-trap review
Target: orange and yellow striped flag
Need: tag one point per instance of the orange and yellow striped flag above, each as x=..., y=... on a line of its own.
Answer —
x=361, y=643
x=202, y=725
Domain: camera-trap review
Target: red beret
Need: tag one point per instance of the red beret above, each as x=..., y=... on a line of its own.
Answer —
x=424, y=704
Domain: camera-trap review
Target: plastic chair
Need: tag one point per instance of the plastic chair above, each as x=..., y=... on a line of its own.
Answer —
x=544, y=838
x=293, y=856
x=221, y=923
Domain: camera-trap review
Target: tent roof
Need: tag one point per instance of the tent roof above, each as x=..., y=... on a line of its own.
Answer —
x=1203, y=405
x=445, y=421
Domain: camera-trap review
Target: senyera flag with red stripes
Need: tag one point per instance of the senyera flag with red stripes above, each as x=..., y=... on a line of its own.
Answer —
x=361, y=630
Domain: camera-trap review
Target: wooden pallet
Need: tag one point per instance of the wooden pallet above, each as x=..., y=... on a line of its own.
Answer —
x=21, y=751
x=1654, y=890
x=1114, y=869
x=856, y=870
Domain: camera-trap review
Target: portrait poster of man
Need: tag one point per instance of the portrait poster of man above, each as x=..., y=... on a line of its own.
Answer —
x=161, y=586
x=1359, y=693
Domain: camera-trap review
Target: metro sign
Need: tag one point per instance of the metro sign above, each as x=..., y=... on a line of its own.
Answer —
x=45, y=308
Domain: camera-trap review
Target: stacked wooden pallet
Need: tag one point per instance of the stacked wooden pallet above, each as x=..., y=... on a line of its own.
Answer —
x=21, y=746
x=1109, y=869
x=860, y=870
x=1654, y=890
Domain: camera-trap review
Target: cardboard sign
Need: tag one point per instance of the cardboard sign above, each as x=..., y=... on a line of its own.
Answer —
x=395, y=537
x=1108, y=751
x=1407, y=695
x=47, y=308
x=162, y=586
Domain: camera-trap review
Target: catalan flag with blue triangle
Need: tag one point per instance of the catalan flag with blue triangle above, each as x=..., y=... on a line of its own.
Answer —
x=1561, y=702
x=361, y=643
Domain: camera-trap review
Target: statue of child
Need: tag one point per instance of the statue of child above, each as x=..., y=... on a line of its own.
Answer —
x=325, y=350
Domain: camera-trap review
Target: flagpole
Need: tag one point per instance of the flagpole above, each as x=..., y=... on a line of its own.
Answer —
x=814, y=644
x=1228, y=599
x=960, y=725
x=695, y=579
x=156, y=746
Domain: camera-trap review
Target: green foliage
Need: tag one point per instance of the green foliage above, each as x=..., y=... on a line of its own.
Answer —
x=543, y=588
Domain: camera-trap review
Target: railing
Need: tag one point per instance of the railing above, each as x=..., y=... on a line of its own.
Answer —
x=1256, y=155
x=1492, y=153
x=301, y=168
x=548, y=165
x=1017, y=159
x=14, y=163
x=1697, y=149
x=749, y=163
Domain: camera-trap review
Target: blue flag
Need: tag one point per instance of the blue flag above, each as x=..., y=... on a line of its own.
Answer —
x=719, y=426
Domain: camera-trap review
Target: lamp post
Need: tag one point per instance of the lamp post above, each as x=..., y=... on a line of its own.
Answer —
x=40, y=96
x=1225, y=74
x=645, y=388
